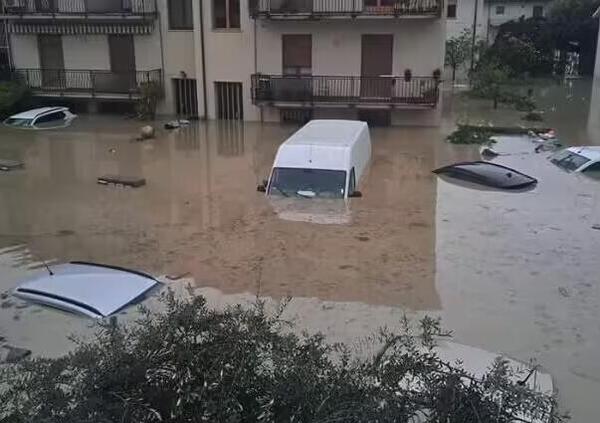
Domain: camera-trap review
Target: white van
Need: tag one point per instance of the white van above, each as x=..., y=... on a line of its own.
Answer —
x=323, y=159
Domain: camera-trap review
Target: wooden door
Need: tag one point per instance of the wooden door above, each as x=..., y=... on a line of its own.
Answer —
x=297, y=64
x=122, y=63
x=376, y=67
x=52, y=60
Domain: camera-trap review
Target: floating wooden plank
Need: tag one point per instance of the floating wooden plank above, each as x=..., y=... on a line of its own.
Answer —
x=8, y=165
x=129, y=181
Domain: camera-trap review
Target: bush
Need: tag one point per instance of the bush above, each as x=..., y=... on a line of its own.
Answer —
x=192, y=363
x=471, y=135
x=13, y=95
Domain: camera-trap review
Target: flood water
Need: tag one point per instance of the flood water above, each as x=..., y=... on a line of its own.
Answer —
x=514, y=273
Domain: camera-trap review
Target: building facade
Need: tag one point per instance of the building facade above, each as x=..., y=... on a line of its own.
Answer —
x=487, y=15
x=256, y=60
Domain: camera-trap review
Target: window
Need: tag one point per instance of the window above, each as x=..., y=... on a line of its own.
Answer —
x=499, y=10
x=230, y=100
x=538, y=11
x=50, y=119
x=451, y=11
x=308, y=183
x=593, y=171
x=568, y=161
x=297, y=54
x=180, y=15
x=226, y=14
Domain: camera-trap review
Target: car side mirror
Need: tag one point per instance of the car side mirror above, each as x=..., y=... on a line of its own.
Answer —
x=355, y=194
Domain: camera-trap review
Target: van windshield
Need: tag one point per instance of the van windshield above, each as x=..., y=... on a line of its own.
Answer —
x=309, y=183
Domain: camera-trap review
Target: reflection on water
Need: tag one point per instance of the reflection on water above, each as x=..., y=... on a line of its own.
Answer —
x=200, y=211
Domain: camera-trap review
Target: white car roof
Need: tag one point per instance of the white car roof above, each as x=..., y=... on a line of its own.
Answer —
x=92, y=289
x=591, y=153
x=33, y=113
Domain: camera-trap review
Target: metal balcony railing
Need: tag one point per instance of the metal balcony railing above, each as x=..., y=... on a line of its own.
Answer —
x=289, y=9
x=349, y=90
x=92, y=82
x=79, y=7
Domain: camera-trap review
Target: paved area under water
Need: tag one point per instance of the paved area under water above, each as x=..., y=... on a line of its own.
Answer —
x=510, y=272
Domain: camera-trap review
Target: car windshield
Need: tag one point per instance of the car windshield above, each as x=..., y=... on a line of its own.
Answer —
x=308, y=183
x=19, y=122
x=568, y=160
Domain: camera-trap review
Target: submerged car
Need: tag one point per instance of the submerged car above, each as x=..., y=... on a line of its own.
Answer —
x=323, y=159
x=579, y=159
x=42, y=118
x=487, y=174
x=91, y=289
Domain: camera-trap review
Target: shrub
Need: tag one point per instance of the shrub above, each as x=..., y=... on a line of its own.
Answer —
x=471, y=135
x=192, y=363
x=13, y=95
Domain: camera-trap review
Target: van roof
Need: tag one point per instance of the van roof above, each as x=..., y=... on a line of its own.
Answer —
x=320, y=144
x=340, y=133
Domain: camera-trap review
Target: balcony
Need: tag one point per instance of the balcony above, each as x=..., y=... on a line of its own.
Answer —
x=318, y=9
x=345, y=91
x=89, y=83
x=79, y=16
x=76, y=8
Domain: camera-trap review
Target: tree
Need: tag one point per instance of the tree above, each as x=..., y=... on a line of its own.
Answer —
x=191, y=363
x=487, y=81
x=458, y=50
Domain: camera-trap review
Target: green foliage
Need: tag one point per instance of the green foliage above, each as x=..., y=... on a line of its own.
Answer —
x=533, y=117
x=458, y=50
x=192, y=363
x=13, y=94
x=487, y=81
x=471, y=135
x=150, y=92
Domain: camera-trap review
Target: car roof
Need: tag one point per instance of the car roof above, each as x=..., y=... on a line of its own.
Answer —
x=330, y=132
x=33, y=113
x=92, y=289
x=589, y=152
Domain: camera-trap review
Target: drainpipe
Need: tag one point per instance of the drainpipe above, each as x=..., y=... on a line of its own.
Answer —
x=473, y=40
x=204, y=99
x=162, y=47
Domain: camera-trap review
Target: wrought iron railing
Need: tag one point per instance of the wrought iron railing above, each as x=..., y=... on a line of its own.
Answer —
x=399, y=91
x=80, y=7
x=353, y=8
x=94, y=82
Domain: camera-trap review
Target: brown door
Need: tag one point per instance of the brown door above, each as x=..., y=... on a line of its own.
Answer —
x=122, y=64
x=376, y=67
x=297, y=67
x=52, y=60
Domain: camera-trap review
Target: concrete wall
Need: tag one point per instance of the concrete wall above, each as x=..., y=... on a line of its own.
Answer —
x=86, y=51
x=464, y=18
x=486, y=16
x=178, y=53
x=25, y=51
x=230, y=58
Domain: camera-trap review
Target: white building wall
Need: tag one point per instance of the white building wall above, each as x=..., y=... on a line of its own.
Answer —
x=86, y=52
x=464, y=18
x=229, y=58
x=25, y=51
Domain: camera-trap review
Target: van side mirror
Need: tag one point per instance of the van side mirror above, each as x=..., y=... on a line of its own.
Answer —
x=261, y=188
x=355, y=194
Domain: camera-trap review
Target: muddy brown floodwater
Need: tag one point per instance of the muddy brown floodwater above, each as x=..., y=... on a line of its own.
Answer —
x=515, y=273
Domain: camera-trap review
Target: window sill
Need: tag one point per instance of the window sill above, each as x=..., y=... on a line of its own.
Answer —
x=228, y=30
x=180, y=30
